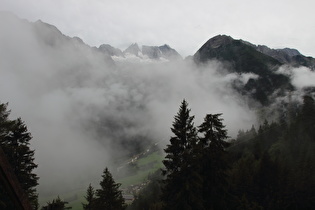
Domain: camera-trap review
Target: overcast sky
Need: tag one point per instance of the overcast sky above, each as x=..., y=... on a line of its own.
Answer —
x=183, y=24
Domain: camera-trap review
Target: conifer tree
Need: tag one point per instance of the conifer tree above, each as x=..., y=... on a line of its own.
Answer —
x=183, y=141
x=90, y=198
x=5, y=123
x=214, y=132
x=182, y=187
x=307, y=116
x=213, y=161
x=109, y=196
x=15, y=140
x=56, y=204
x=22, y=158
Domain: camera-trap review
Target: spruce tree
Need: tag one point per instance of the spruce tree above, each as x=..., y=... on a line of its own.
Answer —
x=15, y=142
x=182, y=186
x=5, y=123
x=56, y=204
x=307, y=116
x=183, y=141
x=213, y=161
x=109, y=196
x=214, y=132
x=22, y=158
x=90, y=198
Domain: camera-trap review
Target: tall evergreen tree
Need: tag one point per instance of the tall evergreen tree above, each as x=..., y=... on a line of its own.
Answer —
x=183, y=141
x=15, y=142
x=22, y=158
x=214, y=162
x=214, y=133
x=109, y=196
x=90, y=198
x=5, y=123
x=182, y=187
x=307, y=116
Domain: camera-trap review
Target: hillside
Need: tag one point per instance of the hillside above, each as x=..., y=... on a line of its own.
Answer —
x=243, y=57
x=133, y=176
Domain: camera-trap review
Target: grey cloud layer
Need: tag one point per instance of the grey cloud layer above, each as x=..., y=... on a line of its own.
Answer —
x=67, y=92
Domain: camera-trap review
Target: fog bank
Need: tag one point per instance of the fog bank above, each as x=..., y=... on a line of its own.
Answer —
x=78, y=103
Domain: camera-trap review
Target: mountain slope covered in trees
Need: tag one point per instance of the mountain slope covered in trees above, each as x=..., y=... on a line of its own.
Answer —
x=268, y=168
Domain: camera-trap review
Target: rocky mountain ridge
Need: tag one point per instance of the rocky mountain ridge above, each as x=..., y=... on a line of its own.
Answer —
x=164, y=52
x=51, y=35
x=283, y=56
x=237, y=56
x=243, y=57
x=286, y=55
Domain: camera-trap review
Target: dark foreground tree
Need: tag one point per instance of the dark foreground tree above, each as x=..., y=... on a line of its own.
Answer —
x=56, y=204
x=5, y=123
x=109, y=197
x=307, y=116
x=15, y=142
x=183, y=141
x=90, y=198
x=214, y=132
x=182, y=186
x=213, y=162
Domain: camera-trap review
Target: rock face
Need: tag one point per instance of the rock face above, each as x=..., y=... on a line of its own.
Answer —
x=282, y=55
x=163, y=52
x=49, y=34
x=286, y=56
x=169, y=53
x=133, y=50
x=152, y=52
x=290, y=52
x=217, y=42
x=111, y=51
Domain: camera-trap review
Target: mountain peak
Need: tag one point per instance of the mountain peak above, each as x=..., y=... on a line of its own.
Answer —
x=164, y=52
x=290, y=52
x=133, y=49
x=53, y=29
x=241, y=55
x=169, y=53
x=153, y=52
x=111, y=51
x=218, y=41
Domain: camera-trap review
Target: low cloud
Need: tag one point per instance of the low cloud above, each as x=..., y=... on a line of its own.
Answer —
x=301, y=77
x=78, y=105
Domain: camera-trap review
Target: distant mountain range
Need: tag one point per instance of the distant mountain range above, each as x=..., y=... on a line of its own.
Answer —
x=237, y=56
x=218, y=47
x=157, y=53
